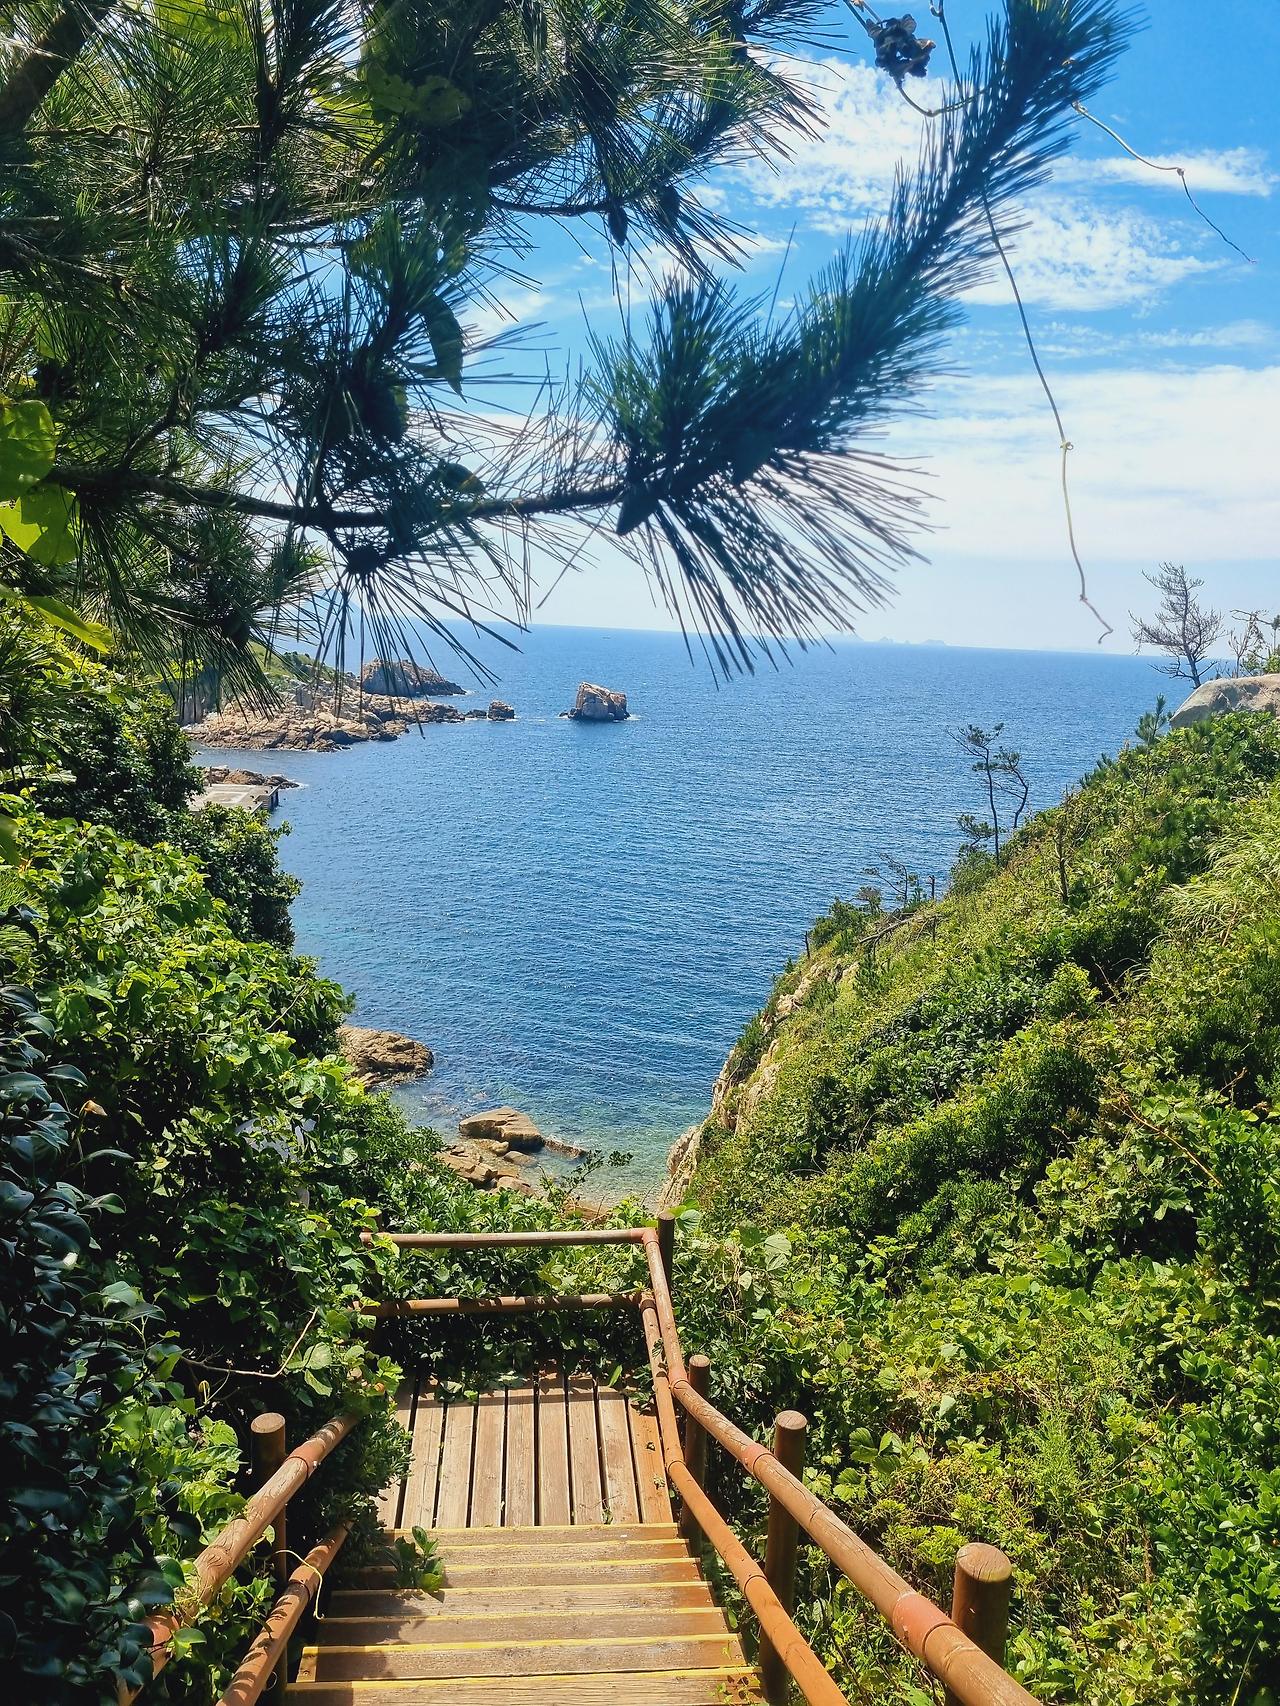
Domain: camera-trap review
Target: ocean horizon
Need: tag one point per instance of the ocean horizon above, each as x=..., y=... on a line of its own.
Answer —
x=578, y=919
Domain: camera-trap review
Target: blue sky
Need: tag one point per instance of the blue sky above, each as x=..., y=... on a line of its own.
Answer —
x=1162, y=343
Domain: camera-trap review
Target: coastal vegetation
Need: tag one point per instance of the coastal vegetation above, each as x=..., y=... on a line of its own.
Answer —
x=1016, y=1157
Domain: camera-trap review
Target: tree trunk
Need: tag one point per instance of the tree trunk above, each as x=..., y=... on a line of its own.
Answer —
x=31, y=80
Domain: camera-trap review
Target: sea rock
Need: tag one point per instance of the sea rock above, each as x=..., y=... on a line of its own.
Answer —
x=1234, y=693
x=246, y=778
x=499, y=711
x=596, y=704
x=404, y=679
x=501, y=1125
x=379, y=1058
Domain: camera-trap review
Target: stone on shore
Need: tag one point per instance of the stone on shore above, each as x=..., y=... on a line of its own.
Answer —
x=312, y=719
x=1231, y=693
x=596, y=704
x=404, y=679
x=379, y=1058
x=500, y=1125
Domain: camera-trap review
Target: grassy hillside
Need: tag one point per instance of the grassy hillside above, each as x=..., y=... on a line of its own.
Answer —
x=1016, y=1157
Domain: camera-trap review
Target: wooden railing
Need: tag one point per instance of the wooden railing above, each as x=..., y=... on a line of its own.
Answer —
x=962, y=1651
x=213, y=1568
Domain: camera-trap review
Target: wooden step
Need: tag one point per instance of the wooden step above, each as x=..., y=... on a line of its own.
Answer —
x=566, y=1534
x=504, y=1572
x=382, y=1603
x=601, y=1656
x=518, y=1623
x=718, y=1687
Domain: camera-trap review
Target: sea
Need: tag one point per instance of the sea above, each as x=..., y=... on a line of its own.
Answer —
x=578, y=918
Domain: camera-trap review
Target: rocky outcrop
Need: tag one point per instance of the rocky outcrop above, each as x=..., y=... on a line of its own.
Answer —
x=682, y=1163
x=381, y=1058
x=313, y=720
x=404, y=679
x=1235, y=693
x=499, y=711
x=506, y=1126
x=596, y=704
x=246, y=778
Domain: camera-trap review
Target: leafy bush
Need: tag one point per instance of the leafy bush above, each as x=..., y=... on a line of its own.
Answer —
x=76, y=1570
x=236, y=851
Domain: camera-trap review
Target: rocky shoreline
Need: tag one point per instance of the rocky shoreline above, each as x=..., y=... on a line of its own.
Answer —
x=329, y=716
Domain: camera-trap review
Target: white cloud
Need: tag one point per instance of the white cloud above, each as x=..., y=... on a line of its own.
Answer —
x=1224, y=171
x=1166, y=463
x=508, y=311
x=1076, y=257
x=846, y=170
x=1074, y=341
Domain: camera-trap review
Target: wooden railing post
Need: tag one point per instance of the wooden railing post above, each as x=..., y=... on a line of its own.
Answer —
x=695, y=1441
x=268, y=1448
x=667, y=1244
x=980, y=1600
x=781, y=1547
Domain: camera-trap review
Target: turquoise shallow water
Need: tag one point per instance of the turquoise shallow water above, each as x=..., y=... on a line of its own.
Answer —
x=579, y=919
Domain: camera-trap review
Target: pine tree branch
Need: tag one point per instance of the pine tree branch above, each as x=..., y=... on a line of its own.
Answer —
x=120, y=482
x=35, y=75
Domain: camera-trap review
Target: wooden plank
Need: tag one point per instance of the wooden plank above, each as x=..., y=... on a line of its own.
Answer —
x=732, y=1686
x=391, y=1499
x=454, y=1499
x=520, y=1658
x=553, y=1450
x=424, y=1469
x=630, y=1571
x=520, y=1486
x=568, y=1534
x=631, y=1622
x=584, y=1450
x=486, y=1473
x=381, y=1603
x=651, y=1475
x=615, y=1450
x=586, y=1552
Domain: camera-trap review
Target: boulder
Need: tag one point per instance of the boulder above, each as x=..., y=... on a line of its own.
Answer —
x=404, y=679
x=500, y=1125
x=499, y=711
x=596, y=704
x=379, y=1058
x=1231, y=693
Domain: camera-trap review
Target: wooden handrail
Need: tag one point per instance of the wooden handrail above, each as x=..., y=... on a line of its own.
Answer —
x=971, y=1676
x=231, y=1546
x=270, y=1650
x=508, y=1240
x=539, y=1303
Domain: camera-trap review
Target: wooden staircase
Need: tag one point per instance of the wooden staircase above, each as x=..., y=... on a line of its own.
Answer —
x=566, y=1581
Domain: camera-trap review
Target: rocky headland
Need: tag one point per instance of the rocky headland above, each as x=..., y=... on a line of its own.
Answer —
x=316, y=719
x=596, y=704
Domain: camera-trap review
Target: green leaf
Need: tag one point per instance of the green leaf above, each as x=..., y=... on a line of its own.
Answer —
x=9, y=849
x=45, y=524
x=28, y=441
x=433, y=103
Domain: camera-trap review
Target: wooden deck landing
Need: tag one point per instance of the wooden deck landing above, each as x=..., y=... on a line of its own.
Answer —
x=553, y=1453
x=566, y=1581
